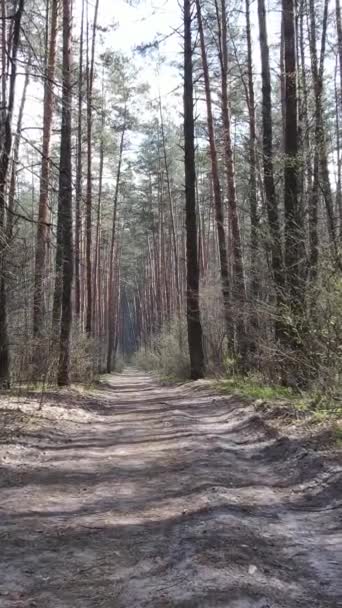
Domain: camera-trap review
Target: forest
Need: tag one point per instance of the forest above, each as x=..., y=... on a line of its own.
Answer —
x=196, y=233
x=170, y=303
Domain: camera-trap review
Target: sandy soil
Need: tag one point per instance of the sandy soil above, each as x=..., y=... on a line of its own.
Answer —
x=134, y=495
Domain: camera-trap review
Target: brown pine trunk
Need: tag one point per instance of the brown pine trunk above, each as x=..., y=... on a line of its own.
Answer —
x=219, y=212
x=339, y=42
x=306, y=139
x=268, y=169
x=90, y=82
x=78, y=188
x=111, y=299
x=294, y=232
x=97, y=259
x=239, y=291
x=172, y=215
x=195, y=337
x=15, y=159
x=339, y=159
x=253, y=200
x=65, y=201
x=321, y=179
x=315, y=191
x=43, y=230
x=5, y=152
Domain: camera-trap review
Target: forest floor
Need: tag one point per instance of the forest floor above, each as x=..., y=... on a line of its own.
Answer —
x=132, y=494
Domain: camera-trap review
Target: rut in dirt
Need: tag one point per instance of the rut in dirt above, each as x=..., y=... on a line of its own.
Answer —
x=136, y=495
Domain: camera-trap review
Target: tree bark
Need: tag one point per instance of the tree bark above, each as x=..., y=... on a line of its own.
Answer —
x=195, y=337
x=339, y=42
x=253, y=197
x=90, y=82
x=321, y=179
x=5, y=152
x=43, y=230
x=15, y=158
x=269, y=186
x=219, y=212
x=238, y=291
x=78, y=187
x=110, y=306
x=294, y=232
x=65, y=201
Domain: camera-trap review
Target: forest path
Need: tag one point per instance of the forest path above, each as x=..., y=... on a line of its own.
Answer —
x=134, y=495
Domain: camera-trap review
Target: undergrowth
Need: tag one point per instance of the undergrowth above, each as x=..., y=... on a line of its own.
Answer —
x=249, y=386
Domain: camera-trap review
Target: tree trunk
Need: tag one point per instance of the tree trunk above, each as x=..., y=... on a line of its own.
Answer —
x=5, y=152
x=78, y=187
x=110, y=307
x=294, y=231
x=97, y=259
x=172, y=215
x=253, y=200
x=195, y=337
x=219, y=213
x=269, y=186
x=339, y=42
x=43, y=230
x=90, y=82
x=239, y=291
x=65, y=200
x=321, y=179
x=15, y=159
x=339, y=159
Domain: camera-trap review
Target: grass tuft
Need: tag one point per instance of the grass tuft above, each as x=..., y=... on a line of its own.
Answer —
x=253, y=388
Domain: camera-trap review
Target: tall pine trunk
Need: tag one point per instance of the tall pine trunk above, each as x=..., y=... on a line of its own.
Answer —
x=195, y=337
x=268, y=169
x=43, y=230
x=78, y=187
x=294, y=228
x=5, y=152
x=321, y=178
x=219, y=212
x=15, y=158
x=339, y=42
x=65, y=201
x=239, y=291
x=90, y=82
x=252, y=193
x=111, y=298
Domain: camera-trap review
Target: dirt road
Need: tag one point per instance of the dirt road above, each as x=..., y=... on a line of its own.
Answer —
x=135, y=495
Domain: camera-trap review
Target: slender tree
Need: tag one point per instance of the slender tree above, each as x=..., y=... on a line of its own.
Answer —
x=268, y=169
x=193, y=311
x=43, y=226
x=90, y=84
x=294, y=232
x=219, y=211
x=239, y=291
x=339, y=42
x=252, y=193
x=65, y=200
x=78, y=186
x=111, y=299
x=5, y=152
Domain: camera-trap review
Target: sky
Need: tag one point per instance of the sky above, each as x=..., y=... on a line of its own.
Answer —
x=138, y=23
